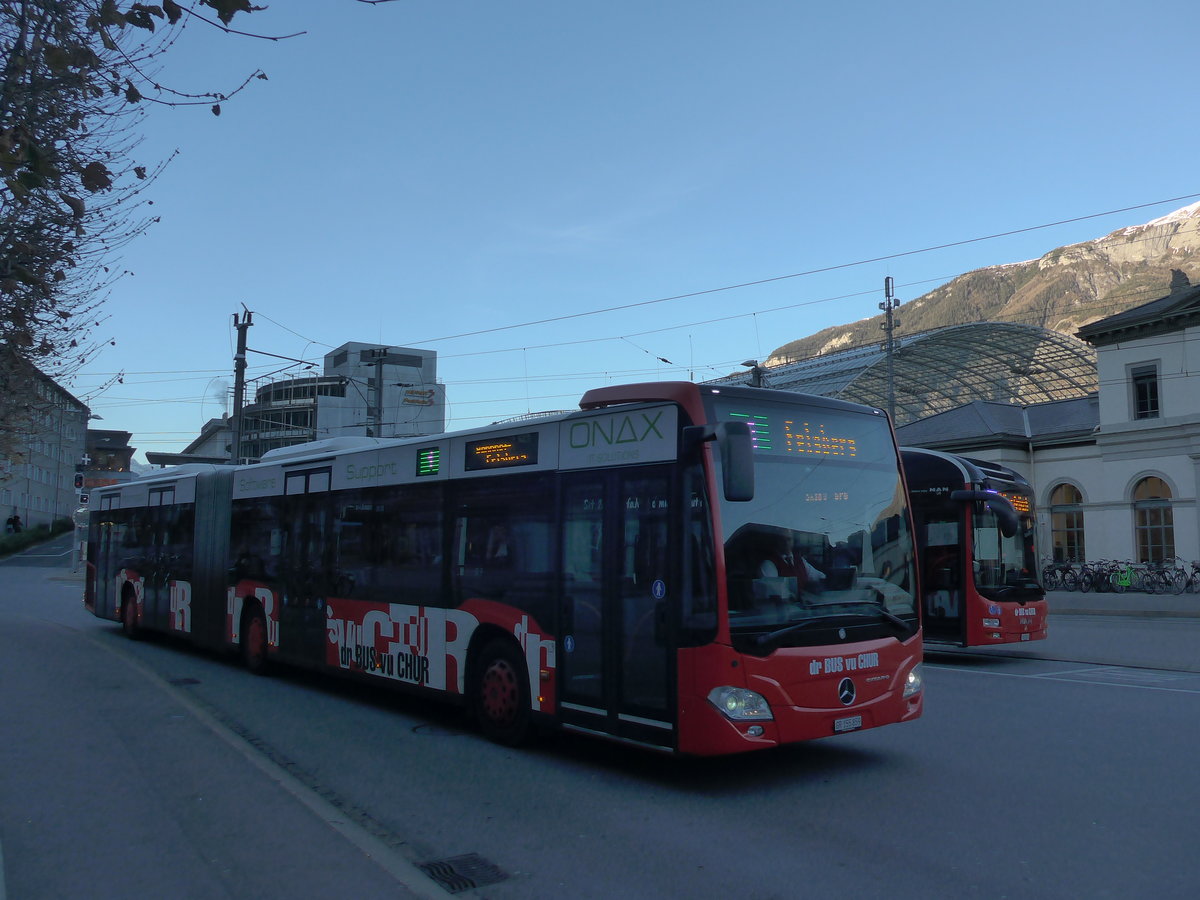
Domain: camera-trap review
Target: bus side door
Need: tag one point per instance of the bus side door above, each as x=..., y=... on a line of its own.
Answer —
x=619, y=570
x=105, y=558
x=305, y=564
x=160, y=562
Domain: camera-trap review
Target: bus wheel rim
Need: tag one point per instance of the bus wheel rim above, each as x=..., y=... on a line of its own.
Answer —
x=500, y=692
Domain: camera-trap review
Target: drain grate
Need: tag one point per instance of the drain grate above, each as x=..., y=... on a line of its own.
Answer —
x=461, y=873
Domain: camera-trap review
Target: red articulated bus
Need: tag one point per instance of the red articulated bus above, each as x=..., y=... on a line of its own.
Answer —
x=977, y=542
x=681, y=567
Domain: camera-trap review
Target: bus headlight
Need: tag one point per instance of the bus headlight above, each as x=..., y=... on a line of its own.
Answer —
x=740, y=704
x=913, y=683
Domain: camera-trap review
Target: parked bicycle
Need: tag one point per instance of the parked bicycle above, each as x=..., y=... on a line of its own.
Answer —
x=1178, y=576
x=1087, y=577
x=1059, y=576
x=1168, y=576
x=1191, y=583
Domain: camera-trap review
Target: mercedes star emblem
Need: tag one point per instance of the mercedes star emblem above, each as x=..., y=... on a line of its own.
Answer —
x=846, y=691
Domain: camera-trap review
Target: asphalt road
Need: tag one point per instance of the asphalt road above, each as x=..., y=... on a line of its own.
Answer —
x=1060, y=769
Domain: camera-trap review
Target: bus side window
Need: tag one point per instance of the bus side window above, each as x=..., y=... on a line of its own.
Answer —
x=503, y=548
x=132, y=529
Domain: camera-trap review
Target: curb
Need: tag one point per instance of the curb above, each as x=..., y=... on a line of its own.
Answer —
x=1129, y=613
x=1183, y=606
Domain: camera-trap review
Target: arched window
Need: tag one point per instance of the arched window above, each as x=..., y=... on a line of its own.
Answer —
x=1152, y=520
x=1066, y=523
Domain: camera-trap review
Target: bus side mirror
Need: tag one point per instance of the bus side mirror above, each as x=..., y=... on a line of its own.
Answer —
x=736, y=446
x=1006, y=516
x=737, y=460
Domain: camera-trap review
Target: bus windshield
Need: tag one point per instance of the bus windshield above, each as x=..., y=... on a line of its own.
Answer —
x=824, y=546
x=1004, y=563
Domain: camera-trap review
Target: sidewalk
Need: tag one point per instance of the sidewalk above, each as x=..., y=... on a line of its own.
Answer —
x=1127, y=604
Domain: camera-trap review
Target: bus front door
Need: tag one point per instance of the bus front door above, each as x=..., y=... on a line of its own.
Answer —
x=618, y=567
x=942, y=584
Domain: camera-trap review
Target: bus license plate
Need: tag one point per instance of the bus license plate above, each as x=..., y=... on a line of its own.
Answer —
x=1025, y=637
x=850, y=723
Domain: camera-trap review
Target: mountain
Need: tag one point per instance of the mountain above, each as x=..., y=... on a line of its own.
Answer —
x=1063, y=290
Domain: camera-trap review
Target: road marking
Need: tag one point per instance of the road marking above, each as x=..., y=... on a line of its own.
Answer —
x=1110, y=676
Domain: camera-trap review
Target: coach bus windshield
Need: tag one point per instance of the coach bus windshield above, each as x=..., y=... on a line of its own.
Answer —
x=824, y=547
x=1005, y=564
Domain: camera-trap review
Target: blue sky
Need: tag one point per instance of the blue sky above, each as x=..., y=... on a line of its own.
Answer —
x=431, y=174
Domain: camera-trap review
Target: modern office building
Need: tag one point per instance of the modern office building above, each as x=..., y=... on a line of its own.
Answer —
x=363, y=389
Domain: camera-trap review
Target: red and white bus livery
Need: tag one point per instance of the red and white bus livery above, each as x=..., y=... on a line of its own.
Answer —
x=695, y=569
x=977, y=542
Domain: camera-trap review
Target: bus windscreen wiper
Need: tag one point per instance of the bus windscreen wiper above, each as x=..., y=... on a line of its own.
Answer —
x=770, y=636
x=883, y=611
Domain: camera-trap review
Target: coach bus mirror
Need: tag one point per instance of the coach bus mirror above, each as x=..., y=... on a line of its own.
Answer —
x=737, y=460
x=735, y=444
x=1006, y=516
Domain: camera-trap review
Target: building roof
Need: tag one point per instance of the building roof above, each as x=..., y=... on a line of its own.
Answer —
x=939, y=370
x=210, y=428
x=1178, y=310
x=983, y=422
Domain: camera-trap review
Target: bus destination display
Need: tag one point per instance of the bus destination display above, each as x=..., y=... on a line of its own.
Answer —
x=1019, y=502
x=502, y=452
x=787, y=436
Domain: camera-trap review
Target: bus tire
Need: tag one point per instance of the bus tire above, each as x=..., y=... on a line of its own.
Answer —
x=500, y=698
x=253, y=644
x=129, y=622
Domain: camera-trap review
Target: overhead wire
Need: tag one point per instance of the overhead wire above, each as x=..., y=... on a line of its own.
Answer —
x=816, y=271
x=1108, y=303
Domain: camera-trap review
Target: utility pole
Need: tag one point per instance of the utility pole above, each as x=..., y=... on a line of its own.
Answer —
x=377, y=415
x=889, y=325
x=239, y=383
x=376, y=357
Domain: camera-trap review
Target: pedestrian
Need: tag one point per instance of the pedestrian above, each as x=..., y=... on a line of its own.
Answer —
x=12, y=525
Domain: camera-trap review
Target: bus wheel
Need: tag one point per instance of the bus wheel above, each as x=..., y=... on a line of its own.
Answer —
x=501, y=696
x=253, y=644
x=129, y=623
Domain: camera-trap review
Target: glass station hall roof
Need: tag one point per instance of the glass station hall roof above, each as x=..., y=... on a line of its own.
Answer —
x=944, y=368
